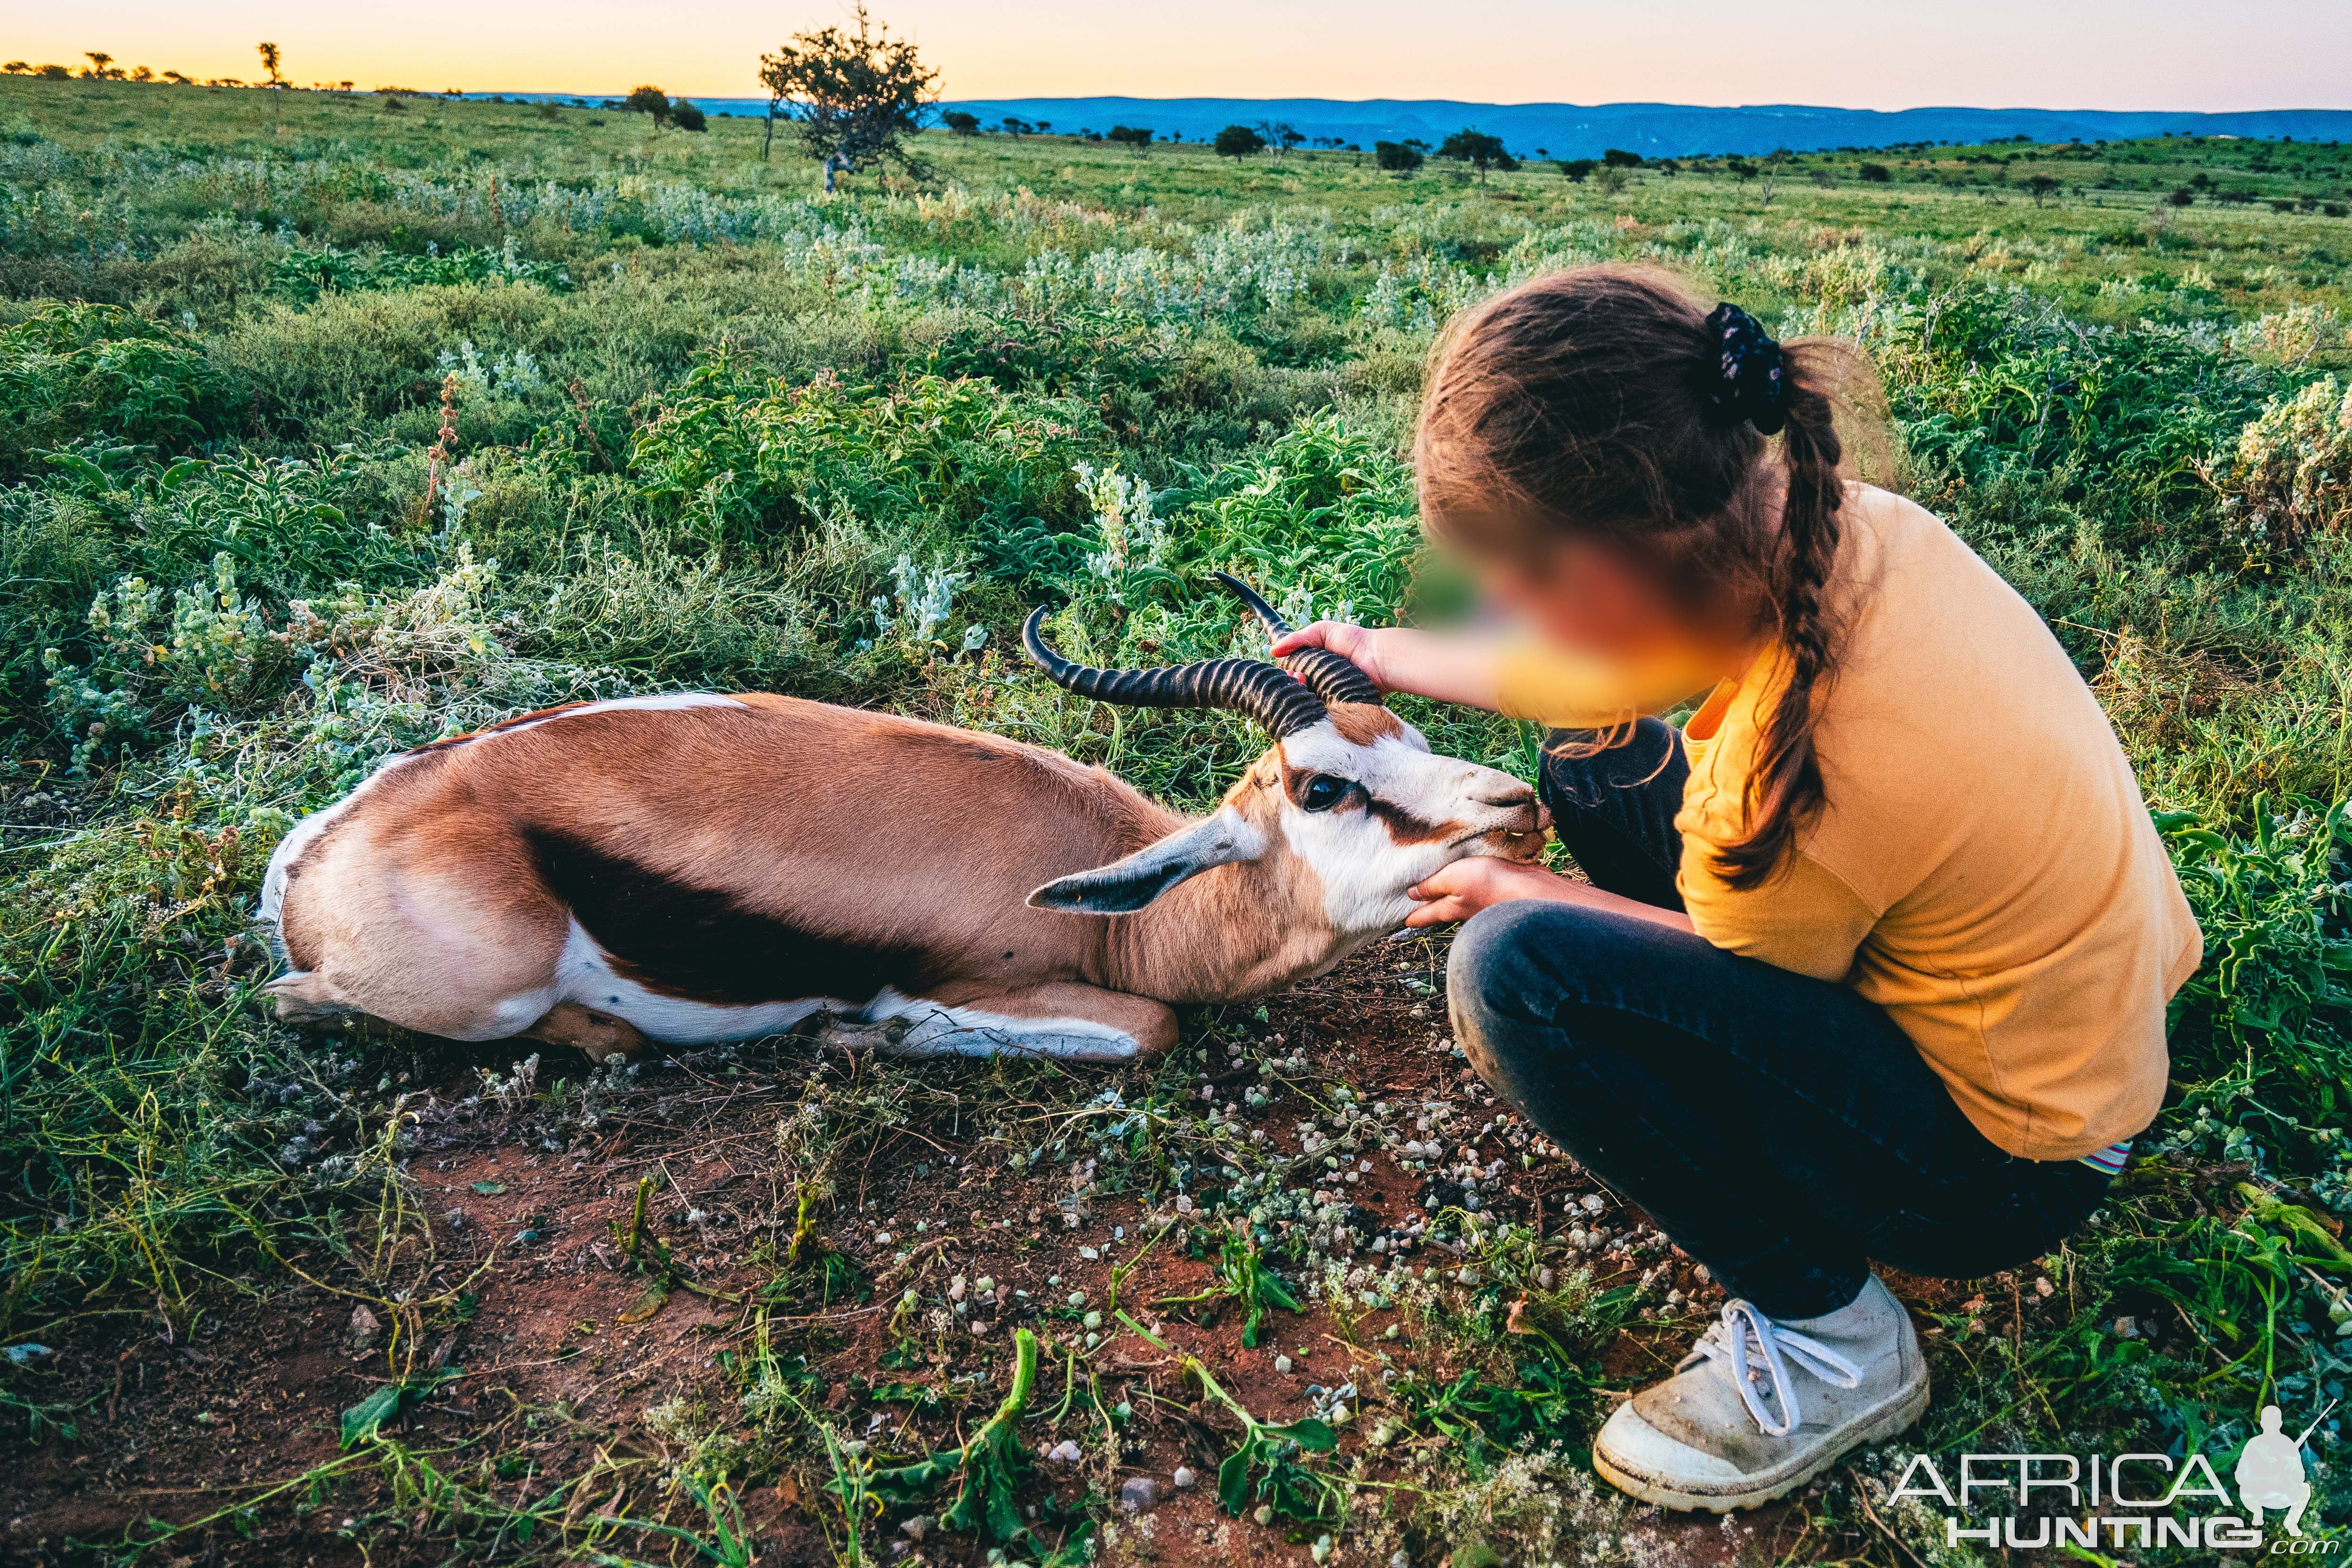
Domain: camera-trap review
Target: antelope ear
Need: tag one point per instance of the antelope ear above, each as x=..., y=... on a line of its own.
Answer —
x=1125, y=886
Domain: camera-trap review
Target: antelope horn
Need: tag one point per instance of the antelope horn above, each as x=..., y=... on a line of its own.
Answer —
x=1276, y=699
x=1334, y=678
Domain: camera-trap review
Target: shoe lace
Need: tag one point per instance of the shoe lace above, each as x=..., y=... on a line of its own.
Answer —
x=1759, y=1349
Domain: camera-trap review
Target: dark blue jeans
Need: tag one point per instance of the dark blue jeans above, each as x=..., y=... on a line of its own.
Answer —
x=1779, y=1129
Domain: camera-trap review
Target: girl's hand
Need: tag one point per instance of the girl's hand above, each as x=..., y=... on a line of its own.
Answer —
x=1456, y=892
x=1354, y=643
x=1425, y=664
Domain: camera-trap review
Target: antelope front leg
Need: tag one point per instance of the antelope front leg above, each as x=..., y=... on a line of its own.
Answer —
x=597, y=1035
x=1066, y=1020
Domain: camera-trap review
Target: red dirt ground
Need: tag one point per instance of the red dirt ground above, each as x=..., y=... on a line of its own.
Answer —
x=180, y=1422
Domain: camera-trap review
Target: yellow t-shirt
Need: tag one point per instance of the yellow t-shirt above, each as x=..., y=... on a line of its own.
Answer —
x=1984, y=868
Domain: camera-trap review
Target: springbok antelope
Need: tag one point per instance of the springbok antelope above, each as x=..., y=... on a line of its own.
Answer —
x=700, y=867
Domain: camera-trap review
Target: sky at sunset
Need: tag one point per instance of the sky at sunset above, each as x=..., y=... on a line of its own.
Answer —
x=1871, y=54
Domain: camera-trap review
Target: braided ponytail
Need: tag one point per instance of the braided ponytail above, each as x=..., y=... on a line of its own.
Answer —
x=1607, y=401
x=1784, y=781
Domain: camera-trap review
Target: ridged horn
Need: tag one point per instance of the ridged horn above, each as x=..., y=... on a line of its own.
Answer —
x=1276, y=699
x=1334, y=678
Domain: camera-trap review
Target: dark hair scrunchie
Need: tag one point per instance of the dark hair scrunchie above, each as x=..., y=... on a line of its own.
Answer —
x=1745, y=379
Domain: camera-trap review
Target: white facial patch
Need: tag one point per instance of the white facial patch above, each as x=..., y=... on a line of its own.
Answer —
x=1438, y=811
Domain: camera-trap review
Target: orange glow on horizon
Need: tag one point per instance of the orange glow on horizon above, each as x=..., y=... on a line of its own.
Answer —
x=2109, y=54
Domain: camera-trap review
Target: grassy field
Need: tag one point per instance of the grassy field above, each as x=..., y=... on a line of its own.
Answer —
x=330, y=426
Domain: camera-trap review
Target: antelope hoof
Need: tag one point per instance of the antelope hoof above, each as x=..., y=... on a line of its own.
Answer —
x=840, y=1032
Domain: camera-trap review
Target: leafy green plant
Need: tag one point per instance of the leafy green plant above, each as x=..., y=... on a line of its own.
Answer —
x=1265, y=1469
x=1548, y=1406
x=728, y=1542
x=989, y=1467
x=2276, y=910
x=390, y=1401
x=71, y=373
x=743, y=459
x=1243, y=1275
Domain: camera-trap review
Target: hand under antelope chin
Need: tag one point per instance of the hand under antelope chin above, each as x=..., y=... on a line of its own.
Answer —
x=699, y=867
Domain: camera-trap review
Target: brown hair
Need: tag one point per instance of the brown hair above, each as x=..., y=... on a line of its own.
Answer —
x=1588, y=402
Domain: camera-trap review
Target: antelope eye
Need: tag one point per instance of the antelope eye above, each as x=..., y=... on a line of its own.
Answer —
x=1322, y=791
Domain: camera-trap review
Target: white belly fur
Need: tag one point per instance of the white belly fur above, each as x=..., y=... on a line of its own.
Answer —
x=584, y=976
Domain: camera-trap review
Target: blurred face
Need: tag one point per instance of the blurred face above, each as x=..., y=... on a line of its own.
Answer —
x=1591, y=597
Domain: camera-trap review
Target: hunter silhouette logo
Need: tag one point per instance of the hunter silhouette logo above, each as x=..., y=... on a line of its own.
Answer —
x=2150, y=1501
x=2269, y=1471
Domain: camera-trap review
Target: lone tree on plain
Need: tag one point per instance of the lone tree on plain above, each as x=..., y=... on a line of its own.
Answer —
x=1576, y=171
x=99, y=61
x=1479, y=150
x=961, y=122
x=1239, y=142
x=1399, y=158
x=1135, y=136
x=647, y=99
x=856, y=96
x=2042, y=187
x=271, y=60
x=1279, y=135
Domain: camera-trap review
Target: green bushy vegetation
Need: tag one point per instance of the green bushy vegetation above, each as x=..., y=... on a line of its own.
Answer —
x=327, y=430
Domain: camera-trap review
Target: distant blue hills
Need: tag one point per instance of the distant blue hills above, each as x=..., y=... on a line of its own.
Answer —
x=1576, y=131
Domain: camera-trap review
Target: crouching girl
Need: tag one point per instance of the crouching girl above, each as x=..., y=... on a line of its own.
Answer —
x=1875, y=952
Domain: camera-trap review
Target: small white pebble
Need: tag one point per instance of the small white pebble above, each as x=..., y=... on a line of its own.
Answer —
x=1282, y=1363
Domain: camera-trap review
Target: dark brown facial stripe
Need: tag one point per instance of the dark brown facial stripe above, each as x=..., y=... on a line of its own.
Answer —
x=1404, y=827
x=701, y=943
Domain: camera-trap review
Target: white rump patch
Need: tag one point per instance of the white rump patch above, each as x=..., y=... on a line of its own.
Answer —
x=304, y=834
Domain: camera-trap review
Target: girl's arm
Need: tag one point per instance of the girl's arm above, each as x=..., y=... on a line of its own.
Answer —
x=1426, y=664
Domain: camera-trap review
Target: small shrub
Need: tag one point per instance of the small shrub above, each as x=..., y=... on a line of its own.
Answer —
x=744, y=459
x=74, y=373
x=2291, y=474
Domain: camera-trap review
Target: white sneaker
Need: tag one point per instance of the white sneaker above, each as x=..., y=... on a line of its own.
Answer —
x=1758, y=1408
